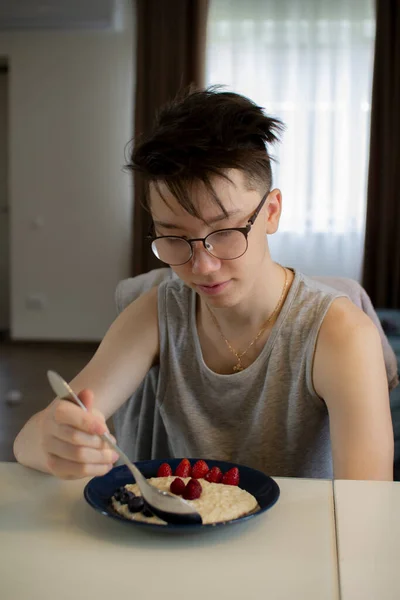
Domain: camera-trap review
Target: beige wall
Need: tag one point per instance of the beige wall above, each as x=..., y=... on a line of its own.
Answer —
x=70, y=102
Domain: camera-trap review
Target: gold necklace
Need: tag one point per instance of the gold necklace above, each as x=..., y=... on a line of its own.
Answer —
x=239, y=355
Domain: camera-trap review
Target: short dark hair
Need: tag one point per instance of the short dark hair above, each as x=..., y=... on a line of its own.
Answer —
x=203, y=133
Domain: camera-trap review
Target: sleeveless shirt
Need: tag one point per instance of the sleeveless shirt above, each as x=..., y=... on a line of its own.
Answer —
x=267, y=416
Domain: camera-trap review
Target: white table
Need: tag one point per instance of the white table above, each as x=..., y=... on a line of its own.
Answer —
x=368, y=533
x=53, y=546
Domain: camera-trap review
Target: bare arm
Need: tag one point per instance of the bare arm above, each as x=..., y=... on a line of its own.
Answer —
x=62, y=431
x=349, y=374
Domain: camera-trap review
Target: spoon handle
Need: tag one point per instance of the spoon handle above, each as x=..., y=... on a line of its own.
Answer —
x=135, y=472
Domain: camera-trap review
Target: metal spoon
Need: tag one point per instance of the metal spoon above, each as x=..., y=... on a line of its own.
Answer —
x=168, y=507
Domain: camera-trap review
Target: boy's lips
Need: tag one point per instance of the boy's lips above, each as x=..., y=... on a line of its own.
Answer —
x=212, y=288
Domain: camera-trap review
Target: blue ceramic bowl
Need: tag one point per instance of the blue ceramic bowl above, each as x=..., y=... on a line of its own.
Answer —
x=99, y=490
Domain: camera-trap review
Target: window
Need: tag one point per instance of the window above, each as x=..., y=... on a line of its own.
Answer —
x=309, y=62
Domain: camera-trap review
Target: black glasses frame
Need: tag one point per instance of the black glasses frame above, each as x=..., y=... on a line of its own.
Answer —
x=243, y=230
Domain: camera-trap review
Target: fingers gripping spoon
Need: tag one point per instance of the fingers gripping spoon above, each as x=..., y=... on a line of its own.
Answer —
x=168, y=507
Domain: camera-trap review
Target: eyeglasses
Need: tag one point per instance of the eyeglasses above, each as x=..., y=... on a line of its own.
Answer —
x=225, y=244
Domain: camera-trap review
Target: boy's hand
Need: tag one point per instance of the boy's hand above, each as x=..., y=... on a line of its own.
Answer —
x=71, y=441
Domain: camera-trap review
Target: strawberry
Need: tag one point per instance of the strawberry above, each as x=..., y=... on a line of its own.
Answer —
x=164, y=470
x=177, y=486
x=214, y=475
x=231, y=477
x=200, y=469
x=192, y=490
x=184, y=468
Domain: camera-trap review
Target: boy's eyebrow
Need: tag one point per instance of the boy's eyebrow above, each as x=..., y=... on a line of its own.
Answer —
x=216, y=219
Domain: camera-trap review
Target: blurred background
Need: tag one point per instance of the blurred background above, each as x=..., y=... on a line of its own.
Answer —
x=80, y=79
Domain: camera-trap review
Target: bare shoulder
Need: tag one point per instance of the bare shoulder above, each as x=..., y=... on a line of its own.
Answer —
x=343, y=320
x=138, y=322
x=348, y=344
x=144, y=307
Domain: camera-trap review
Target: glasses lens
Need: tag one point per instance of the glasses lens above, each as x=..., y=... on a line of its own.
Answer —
x=172, y=250
x=226, y=244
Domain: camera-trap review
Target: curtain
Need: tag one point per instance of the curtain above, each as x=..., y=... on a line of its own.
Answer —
x=309, y=62
x=382, y=239
x=170, y=55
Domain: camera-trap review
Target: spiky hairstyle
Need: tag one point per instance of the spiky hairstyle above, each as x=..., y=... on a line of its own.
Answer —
x=202, y=134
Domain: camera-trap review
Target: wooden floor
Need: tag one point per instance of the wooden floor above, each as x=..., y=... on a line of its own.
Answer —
x=23, y=369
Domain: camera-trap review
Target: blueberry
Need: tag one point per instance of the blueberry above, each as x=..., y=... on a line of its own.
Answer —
x=117, y=495
x=124, y=496
x=135, y=504
x=120, y=493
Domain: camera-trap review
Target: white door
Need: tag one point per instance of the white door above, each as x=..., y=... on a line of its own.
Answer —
x=4, y=207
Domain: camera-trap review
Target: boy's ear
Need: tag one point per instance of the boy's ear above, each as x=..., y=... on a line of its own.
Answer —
x=274, y=210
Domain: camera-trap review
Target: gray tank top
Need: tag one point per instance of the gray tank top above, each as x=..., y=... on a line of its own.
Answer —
x=268, y=416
